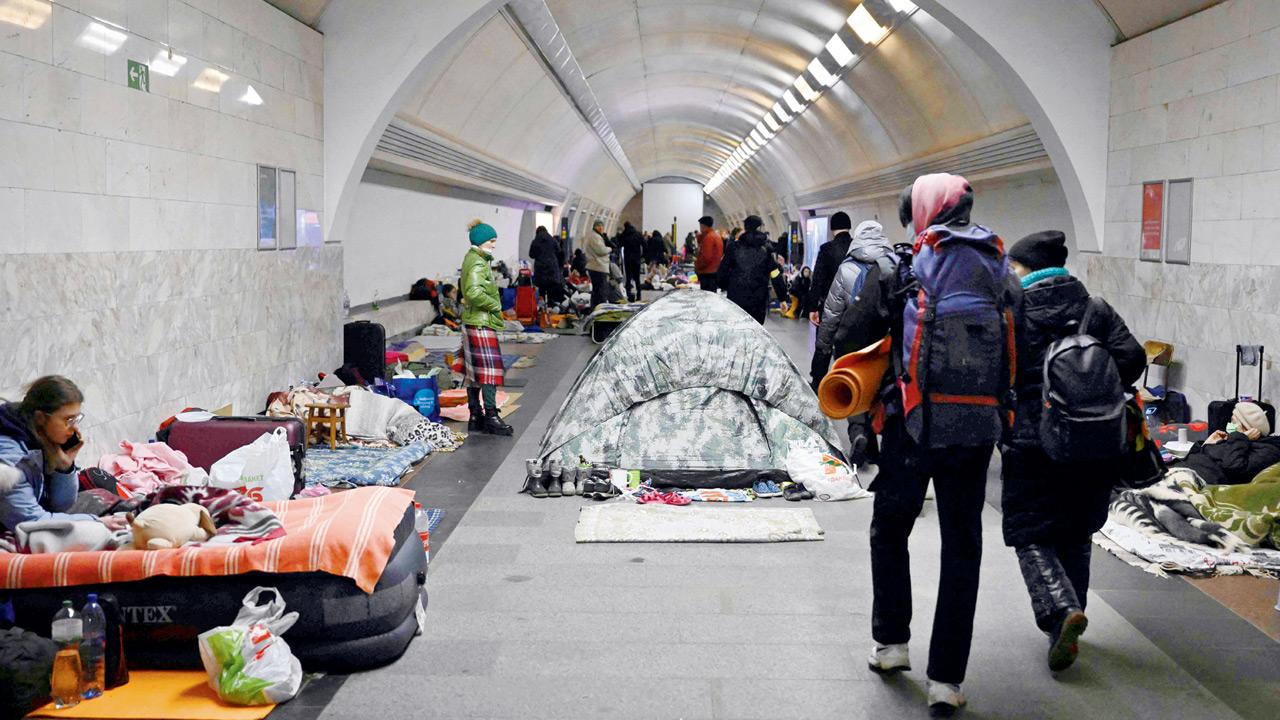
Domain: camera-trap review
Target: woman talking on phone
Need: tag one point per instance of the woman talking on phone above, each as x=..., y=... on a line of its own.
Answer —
x=39, y=441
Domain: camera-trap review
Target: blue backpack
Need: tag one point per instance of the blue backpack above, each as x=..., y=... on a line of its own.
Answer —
x=959, y=358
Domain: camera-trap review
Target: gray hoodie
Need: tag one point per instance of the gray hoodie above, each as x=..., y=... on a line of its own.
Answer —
x=849, y=313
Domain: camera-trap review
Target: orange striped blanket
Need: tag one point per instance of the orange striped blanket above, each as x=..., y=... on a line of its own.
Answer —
x=349, y=533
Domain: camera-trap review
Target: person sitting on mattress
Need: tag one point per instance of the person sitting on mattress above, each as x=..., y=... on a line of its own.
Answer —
x=1236, y=456
x=39, y=442
x=481, y=321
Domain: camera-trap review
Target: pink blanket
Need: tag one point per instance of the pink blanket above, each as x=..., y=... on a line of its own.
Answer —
x=142, y=468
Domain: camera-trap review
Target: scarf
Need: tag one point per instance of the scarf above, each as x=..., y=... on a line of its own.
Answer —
x=1051, y=272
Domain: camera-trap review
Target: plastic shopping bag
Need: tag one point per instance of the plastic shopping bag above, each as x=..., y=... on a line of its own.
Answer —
x=248, y=663
x=261, y=470
x=824, y=474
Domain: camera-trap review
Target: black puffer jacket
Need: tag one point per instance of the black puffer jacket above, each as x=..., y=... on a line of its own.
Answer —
x=744, y=273
x=548, y=259
x=1044, y=501
x=632, y=244
x=1233, y=461
x=655, y=249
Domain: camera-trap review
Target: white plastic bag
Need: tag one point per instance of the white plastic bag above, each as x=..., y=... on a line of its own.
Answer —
x=825, y=475
x=248, y=663
x=261, y=470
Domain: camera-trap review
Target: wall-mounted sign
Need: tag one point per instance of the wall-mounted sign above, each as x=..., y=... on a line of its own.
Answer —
x=1152, y=221
x=1177, y=226
x=139, y=76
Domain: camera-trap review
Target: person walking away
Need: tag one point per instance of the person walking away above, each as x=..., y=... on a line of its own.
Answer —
x=548, y=266
x=598, y=251
x=828, y=261
x=746, y=268
x=710, y=253
x=655, y=249
x=481, y=321
x=856, y=314
x=632, y=243
x=1050, y=509
x=952, y=358
x=579, y=262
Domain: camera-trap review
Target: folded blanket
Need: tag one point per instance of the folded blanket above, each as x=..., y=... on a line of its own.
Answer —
x=237, y=517
x=55, y=536
x=142, y=468
x=371, y=415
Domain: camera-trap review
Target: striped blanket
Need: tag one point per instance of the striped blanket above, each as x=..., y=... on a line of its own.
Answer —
x=350, y=534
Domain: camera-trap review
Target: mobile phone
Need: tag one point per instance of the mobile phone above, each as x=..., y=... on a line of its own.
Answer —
x=72, y=442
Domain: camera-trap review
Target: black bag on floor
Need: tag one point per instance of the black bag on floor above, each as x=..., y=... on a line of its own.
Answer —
x=1220, y=410
x=364, y=346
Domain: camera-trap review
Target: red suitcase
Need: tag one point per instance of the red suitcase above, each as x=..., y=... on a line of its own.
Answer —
x=207, y=442
x=527, y=304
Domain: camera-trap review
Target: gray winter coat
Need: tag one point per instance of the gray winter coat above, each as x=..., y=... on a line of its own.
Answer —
x=853, y=315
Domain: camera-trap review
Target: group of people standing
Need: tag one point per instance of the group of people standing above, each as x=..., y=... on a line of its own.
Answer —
x=864, y=289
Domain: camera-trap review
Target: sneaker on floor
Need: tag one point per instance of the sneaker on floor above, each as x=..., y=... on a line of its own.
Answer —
x=944, y=699
x=887, y=659
x=792, y=491
x=766, y=489
x=1065, y=647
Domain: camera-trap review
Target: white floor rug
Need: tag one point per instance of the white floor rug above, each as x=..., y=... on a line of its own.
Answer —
x=628, y=522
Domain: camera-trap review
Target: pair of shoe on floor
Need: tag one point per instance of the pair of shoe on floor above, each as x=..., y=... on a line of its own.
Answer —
x=552, y=481
x=796, y=492
x=766, y=489
x=490, y=423
x=946, y=698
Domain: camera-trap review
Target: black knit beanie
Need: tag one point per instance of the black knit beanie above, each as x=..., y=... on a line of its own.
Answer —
x=1044, y=249
x=841, y=221
x=753, y=222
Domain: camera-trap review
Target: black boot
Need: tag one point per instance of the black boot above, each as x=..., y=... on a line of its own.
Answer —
x=476, y=423
x=533, y=480
x=494, y=425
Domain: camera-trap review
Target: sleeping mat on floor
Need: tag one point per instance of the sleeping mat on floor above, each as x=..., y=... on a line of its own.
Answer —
x=352, y=566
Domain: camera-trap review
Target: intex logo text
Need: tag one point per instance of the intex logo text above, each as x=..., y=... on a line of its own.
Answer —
x=148, y=614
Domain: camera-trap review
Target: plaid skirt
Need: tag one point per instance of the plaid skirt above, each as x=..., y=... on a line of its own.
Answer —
x=481, y=357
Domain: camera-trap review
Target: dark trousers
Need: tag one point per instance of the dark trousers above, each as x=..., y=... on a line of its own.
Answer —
x=959, y=479
x=1057, y=578
x=819, y=367
x=599, y=287
x=709, y=281
x=552, y=292
x=633, y=278
x=860, y=426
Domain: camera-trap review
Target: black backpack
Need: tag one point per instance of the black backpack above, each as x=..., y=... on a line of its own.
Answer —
x=1083, y=413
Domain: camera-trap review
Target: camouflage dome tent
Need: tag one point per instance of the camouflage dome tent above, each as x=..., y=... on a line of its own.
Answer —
x=695, y=392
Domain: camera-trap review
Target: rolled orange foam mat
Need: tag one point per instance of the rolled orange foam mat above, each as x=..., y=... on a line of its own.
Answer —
x=850, y=387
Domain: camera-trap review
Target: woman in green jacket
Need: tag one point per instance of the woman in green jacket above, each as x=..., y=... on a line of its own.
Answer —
x=481, y=321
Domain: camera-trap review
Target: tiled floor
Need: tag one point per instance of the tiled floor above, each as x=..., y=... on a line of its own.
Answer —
x=526, y=624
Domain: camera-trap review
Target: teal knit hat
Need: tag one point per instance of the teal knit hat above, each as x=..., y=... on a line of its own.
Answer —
x=481, y=233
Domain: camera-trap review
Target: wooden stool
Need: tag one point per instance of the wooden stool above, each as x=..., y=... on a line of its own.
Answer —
x=331, y=415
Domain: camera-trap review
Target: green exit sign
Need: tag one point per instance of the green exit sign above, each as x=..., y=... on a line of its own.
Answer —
x=139, y=76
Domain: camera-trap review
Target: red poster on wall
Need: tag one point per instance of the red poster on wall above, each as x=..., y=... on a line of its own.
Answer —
x=1152, y=219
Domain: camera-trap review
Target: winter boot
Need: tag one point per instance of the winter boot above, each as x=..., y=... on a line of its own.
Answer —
x=494, y=425
x=564, y=475
x=533, y=483
x=476, y=422
x=1065, y=645
x=552, y=472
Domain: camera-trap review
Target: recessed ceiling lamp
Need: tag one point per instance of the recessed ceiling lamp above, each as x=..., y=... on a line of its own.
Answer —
x=781, y=113
x=792, y=103
x=772, y=122
x=839, y=51
x=820, y=73
x=903, y=6
x=805, y=91
x=868, y=30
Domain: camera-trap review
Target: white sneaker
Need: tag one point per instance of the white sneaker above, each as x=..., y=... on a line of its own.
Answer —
x=889, y=658
x=944, y=699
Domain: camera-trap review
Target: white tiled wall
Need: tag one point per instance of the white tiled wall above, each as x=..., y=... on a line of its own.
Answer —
x=126, y=250
x=1200, y=98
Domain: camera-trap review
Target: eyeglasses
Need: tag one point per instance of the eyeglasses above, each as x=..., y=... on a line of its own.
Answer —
x=73, y=420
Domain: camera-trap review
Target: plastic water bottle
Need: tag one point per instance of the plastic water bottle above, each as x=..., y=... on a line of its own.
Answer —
x=93, y=648
x=422, y=523
x=68, y=629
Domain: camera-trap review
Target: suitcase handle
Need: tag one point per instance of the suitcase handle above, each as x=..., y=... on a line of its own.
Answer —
x=1240, y=350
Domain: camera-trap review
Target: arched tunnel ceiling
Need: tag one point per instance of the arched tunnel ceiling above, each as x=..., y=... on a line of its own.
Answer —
x=682, y=81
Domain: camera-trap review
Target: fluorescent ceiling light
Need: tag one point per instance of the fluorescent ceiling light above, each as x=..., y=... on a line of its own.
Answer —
x=772, y=122
x=820, y=73
x=792, y=103
x=806, y=92
x=781, y=113
x=839, y=51
x=210, y=80
x=764, y=130
x=751, y=143
x=902, y=6
x=866, y=26
x=251, y=96
x=167, y=63
x=755, y=135
x=100, y=38
x=29, y=14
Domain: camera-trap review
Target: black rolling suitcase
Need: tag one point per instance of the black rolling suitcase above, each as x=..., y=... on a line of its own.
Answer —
x=1220, y=410
x=364, y=346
